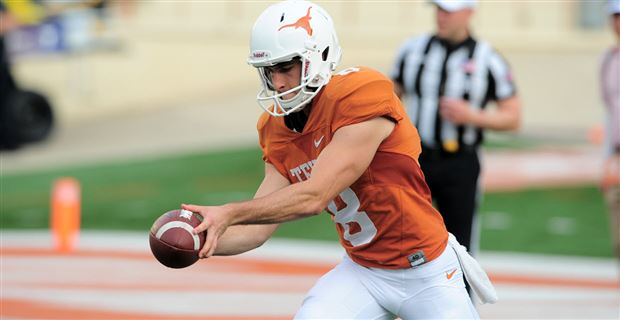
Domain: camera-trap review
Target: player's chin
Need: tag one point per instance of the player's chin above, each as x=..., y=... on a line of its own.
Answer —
x=289, y=96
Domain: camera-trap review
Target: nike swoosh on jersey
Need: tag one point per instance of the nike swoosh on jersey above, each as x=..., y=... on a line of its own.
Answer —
x=317, y=143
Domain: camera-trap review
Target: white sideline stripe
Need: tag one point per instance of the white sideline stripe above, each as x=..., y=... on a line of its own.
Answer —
x=313, y=251
x=179, y=224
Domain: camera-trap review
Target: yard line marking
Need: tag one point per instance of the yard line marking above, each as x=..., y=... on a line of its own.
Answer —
x=258, y=266
x=501, y=278
x=18, y=308
x=241, y=286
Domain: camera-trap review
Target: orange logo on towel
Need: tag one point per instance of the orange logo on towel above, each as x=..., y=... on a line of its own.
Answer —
x=303, y=22
x=450, y=274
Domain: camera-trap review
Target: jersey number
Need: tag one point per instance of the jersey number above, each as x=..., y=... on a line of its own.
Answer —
x=349, y=215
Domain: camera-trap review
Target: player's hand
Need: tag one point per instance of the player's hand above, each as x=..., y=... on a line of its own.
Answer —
x=215, y=221
x=456, y=111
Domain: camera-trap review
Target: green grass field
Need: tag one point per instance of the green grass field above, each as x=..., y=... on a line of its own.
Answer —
x=130, y=195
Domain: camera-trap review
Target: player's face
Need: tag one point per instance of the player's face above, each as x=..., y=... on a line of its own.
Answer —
x=452, y=25
x=615, y=24
x=285, y=76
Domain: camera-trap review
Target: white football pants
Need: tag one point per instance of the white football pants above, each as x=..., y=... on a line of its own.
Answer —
x=434, y=290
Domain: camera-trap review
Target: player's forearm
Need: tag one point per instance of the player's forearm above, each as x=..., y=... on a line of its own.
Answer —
x=242, y=238
x=293, y=202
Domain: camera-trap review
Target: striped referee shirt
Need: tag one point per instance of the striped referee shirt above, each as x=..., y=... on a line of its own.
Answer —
x=428, y=68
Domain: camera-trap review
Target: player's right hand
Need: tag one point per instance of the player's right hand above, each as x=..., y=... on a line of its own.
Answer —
x=215, y=221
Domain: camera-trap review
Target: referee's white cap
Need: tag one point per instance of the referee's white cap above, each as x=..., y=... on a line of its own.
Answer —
x=456, y=5
x=614, y=6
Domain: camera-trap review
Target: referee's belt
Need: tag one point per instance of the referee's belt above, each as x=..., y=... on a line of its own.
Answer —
x=440, y=152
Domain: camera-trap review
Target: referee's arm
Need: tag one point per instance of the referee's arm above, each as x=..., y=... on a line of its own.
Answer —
x=502, y=90
x=507, y=115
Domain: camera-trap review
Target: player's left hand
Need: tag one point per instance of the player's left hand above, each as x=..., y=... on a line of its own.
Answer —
x=215, y=222
x=455, y=110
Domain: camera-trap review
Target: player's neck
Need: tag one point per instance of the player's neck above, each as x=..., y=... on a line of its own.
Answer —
x=307, y=109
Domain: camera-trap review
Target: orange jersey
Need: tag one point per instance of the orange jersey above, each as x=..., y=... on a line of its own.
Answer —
x=385, y=219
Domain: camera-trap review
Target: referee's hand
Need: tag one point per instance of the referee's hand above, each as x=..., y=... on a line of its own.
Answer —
x=455, y=110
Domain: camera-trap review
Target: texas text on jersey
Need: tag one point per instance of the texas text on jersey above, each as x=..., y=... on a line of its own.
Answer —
x=385, y=219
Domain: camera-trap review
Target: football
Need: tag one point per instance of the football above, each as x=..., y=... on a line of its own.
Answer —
x=171, y=239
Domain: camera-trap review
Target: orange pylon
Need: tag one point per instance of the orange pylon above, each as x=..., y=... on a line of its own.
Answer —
x=65, y=215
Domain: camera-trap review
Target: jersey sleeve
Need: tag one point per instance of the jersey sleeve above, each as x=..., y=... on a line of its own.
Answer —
x=370, y=95
x=270, y=143
x=263, y=132
x=501, y=82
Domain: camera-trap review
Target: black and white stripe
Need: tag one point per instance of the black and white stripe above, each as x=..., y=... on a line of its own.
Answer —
x=428, y=68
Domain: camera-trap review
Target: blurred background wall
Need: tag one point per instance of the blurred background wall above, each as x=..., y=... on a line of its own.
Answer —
x=144, y=55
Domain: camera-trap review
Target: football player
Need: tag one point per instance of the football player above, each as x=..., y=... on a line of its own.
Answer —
x=342, y=143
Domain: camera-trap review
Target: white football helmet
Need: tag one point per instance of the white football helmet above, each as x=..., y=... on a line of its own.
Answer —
x=286, y=31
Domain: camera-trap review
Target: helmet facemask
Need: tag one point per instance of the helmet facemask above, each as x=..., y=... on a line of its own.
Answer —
x=268, y=95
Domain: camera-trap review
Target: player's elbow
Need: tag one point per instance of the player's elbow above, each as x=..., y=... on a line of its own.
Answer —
x=314, y=204
x=312, y=198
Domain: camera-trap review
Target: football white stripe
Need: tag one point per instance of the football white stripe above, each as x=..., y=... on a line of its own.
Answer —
x=179, y=224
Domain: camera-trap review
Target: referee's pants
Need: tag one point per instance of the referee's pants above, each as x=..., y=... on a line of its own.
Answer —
x=453, y=181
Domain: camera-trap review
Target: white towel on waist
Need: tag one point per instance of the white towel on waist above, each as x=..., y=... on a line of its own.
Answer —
x=474, y=274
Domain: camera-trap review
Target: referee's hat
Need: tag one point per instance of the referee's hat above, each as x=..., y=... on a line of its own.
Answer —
x=456, y=5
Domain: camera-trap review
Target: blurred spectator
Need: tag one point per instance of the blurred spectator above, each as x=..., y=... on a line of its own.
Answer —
x=25, y=116
x=446, y=80
x=43, y=27
x=7, y=83
x=610, y=78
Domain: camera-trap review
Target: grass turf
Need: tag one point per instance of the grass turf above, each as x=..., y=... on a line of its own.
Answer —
x=130, y=195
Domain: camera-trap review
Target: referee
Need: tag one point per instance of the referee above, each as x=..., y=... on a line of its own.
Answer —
x=446, y=80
